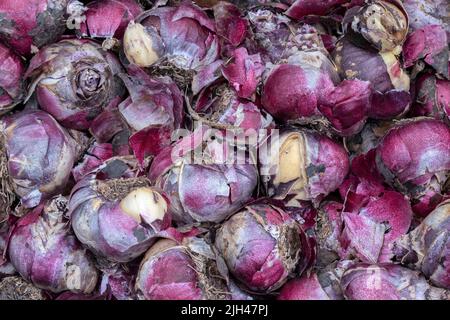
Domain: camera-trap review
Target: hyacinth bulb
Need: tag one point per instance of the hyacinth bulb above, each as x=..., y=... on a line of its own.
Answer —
x=293, y=92
x=182, y=35
x=383, y=24
x=261, y=245
x=74, y=80
x=186, y=270
x=45, y=252
x=302, y=164
x=427, y=247
x=414, y=158
x=303, y=75
x=304, y=93
x=390, y=97
x=11, y=79
x=28, y=24
x=303, y=84
x=108, y=19
x=202, y=178
x=388, y=282
x=37, y=155
x=153, y=111
x=113, y=193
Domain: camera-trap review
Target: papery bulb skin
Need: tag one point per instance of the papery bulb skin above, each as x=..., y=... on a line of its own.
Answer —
x=429, y=43
x=204, y=185
x=414, y=158
x=388, y=282
x=261, y=245
x=153, y=111
x=305, y=288
x=302, y=8
x=303, y=164
x=38, y=155
x=432, y=98
x=118, y=282
x=74, y=80
x=221, y=107
x=28, y=24
x=109, y=125
x=292, y=92
x=115, y=213
x=427, y=247
x=383, y=24
x=94, y=157
x=426, y=12
x=368, y=221
x=243, y=72
x=109, y=19
x=187, y=270
x=230, y=24
x=346, y=107
x=364, y=180
x=45, y=252
x=183, y=35
x=321, y=285
x=11, y=79
x=370, y=231
x=390, y=83
x=16, y=288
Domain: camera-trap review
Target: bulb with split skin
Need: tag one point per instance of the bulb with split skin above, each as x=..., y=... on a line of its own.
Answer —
x=116, y=214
